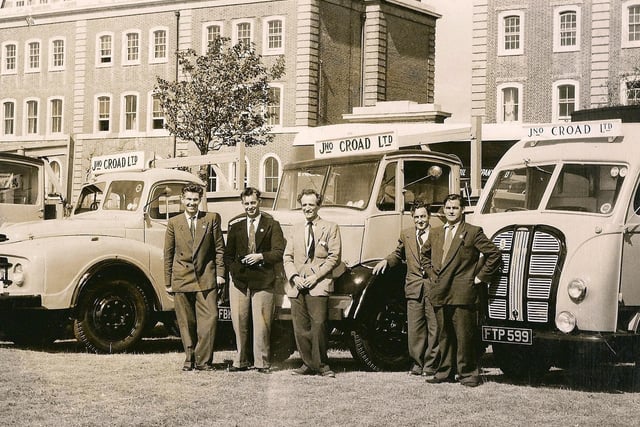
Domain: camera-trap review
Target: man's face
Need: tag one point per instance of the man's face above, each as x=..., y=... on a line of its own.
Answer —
x=190, y=201
x=251, y=205
x=421, y=218
x=452, y=211
x=309, y=206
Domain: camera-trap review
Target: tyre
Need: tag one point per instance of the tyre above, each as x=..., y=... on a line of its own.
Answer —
x=112, y=316
x=521, y=363
x=379, y=338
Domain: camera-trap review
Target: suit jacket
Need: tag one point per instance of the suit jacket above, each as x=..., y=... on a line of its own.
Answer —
x=269, y=242
x=408, y=250
x=328, y=248
x=453, y=278
x=191, y=265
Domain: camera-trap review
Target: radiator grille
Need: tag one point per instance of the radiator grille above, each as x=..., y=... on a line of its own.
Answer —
x=531, y=256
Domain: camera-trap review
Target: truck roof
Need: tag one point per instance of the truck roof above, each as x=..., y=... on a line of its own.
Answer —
x=22, y=159
x=372, y=157
x=151, y=175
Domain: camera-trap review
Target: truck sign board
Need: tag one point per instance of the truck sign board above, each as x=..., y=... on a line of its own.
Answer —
x=354, y=145
x=118, y=162
x=600, y=129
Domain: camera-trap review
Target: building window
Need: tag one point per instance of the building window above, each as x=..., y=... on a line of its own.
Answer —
x=131, y=48
x=157, y=114
x=566, y=35
x=9, y=117
x=565, y=99
x=10, y=52
x=509, y=103
x=105, y=49
x=130, y=111
x=33, y=57
x=212, y=185
x=511, y=33
x=56, y=115
x=104, y=113
x=630, y=90
x=233, y=173
x=273, y=42
x=243, y=33
x=270, y=173
x=57, y=54
x=631, y=24
x=634, y=23
x=274, y=109
x=32, y=117
x=158, y=46
x=211, y=31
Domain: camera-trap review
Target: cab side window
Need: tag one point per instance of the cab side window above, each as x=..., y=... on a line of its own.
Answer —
x=425, y=181
x=386, y=199
x=165, y=201
x=636, y=203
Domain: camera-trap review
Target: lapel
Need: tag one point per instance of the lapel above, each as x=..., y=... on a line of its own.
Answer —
x=411, y=246
x=456, y=242
x=243, y=234
x=262, y=229
x=202, y=226
x=436, y=236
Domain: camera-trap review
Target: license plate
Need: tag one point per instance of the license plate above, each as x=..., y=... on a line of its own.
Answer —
x=224, y=314
x=507, y=335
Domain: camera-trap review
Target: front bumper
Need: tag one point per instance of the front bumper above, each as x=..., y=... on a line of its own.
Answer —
x=9, y=302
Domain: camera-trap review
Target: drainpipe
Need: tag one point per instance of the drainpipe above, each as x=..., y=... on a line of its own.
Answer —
x=177, y=13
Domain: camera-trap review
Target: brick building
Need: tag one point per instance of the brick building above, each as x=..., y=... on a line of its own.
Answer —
x=77, y=77
x=537, y=61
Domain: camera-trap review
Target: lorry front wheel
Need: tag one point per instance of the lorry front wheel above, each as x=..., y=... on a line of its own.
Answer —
x=529, y=363
x=112, y=316
x=379, y=338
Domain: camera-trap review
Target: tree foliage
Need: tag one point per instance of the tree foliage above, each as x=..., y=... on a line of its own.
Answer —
x=221, y=98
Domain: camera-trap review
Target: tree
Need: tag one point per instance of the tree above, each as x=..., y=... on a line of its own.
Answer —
x=222, y=97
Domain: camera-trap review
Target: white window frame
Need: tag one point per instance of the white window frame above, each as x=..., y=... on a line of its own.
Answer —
x=623, y=88
x=25, y=130
x=52, y=66
x=27, y=56
x=281, y=87
x=501, y=33
x=232, y=173
x=625, y=42
x=236, y=24
x=125, y=47
x=205, y=33
x=123, y=113
x=50, y=115
x=152, y=45
x=262, y=183
x=557, y=47
x=556, y=98
x=3, y=57
x=96, y=116
x=150, y=129
x=2, y=123
x=265, y=36
x=99, y=63
x=500, y=101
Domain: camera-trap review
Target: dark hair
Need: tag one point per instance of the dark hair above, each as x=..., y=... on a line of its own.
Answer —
x=418, y=204
x=308, y=191
x=193, y=188
x=250, y=191
x=452, y=197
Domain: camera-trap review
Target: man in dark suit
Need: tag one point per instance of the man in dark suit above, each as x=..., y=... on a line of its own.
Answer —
x=312, y=253
x=193, y=269
x=452, y=260
x=255, y=245
x=422, y=327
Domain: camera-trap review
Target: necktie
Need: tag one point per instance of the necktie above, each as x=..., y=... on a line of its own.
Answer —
x=252, y=236
x=421, y=234
x=311, y=248
x=192, y=227
x=448, y=236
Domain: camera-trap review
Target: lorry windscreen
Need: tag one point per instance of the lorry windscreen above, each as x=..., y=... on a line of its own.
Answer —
x=342, y=185
x=591, y=188
x=18, y=183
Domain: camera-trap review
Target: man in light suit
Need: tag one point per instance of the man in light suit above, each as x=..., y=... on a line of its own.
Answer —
x=422, y=327
x=193, y=269
x=255, y=246
x=452, y=260
x=312, y=252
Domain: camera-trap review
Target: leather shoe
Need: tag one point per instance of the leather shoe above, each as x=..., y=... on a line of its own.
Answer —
x=328, y=373
x=187, y=368
x=470, y=383
x=205, y=368
x=416, y=370
x=436, y=380
x=264, y=370
x=237, y=369
x=302, y=370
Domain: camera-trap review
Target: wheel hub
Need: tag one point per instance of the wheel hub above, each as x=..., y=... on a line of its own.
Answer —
x=114, y=316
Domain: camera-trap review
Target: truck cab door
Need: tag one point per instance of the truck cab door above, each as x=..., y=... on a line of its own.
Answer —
x=164, y=203
x=630, y=284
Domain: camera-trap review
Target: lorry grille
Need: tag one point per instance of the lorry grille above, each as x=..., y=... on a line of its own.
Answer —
x=531, y=263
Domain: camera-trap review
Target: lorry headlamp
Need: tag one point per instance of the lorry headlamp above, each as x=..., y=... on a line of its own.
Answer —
x=577, y=290
x=18, y=275
x=565, y=322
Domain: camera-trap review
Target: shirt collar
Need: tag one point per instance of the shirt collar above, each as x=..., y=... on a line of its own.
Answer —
x=189, y=216
x=257, y=219
x=452, y=226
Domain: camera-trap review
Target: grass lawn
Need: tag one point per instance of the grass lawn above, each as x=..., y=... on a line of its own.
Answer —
x=66, y=386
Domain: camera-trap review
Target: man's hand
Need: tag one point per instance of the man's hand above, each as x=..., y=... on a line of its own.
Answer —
x=477, y=281
x=298, y=282
x=252, y=259
x=220, y=280
x=380, y=267
x=310, y=281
